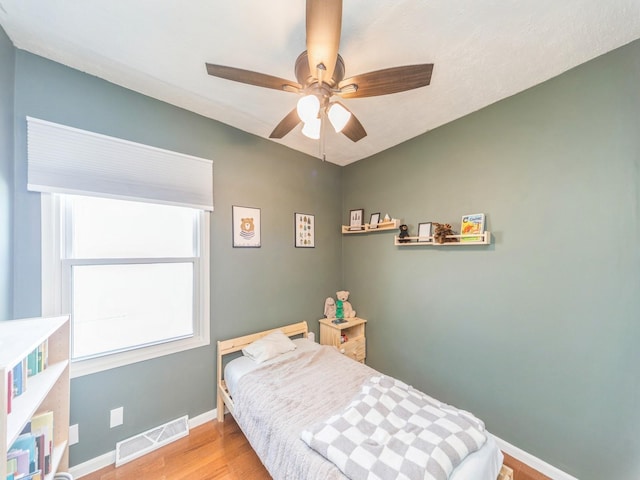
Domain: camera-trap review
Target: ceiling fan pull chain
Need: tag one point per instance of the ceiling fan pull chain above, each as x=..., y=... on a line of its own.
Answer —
x=323, y=153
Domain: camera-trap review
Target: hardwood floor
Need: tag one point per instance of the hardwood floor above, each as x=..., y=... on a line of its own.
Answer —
x=216, y=451
x=211, y=451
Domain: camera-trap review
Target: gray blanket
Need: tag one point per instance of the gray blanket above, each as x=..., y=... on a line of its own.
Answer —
x=274, y=403
x=393, y=431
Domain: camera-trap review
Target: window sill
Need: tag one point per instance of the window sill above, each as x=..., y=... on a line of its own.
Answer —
x=80, y=368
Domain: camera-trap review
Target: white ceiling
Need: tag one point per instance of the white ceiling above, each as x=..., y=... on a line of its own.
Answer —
x=483, y=51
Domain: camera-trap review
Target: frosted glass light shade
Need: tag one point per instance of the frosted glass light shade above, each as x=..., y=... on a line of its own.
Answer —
x=338, y=116
x=311, y=128
x=308, y=108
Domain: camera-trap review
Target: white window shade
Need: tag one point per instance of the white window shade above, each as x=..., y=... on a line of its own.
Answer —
x=63, y=159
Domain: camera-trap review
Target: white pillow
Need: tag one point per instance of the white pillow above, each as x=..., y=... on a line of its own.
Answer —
x=268, y=347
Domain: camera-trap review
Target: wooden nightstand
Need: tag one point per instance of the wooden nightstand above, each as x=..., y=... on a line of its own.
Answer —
x=348, y=337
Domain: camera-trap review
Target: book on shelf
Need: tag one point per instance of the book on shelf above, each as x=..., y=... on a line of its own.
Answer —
x=42, y=428
x=30, y=456
x=19, y=378
x=38, y=359
x=34, y=363
x=472, y=224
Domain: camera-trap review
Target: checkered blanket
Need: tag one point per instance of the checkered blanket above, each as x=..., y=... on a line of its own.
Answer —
x=393, y=431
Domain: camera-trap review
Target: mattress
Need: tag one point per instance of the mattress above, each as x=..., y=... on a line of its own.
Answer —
x=483, y=464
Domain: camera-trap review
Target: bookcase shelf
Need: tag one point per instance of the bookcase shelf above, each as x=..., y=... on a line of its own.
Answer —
x=392, y=224
x=45, y=391
x=484, y=239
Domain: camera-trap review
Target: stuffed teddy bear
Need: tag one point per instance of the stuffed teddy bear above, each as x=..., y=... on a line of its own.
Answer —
x=343, y=307
x=404, y=232
x=441, y=231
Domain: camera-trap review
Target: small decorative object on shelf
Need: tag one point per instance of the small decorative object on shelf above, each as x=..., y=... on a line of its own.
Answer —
x=356, y=219
x=404, y=234
x=471, y=224
x=374, y=220
x=443, y=233
x=424, y=232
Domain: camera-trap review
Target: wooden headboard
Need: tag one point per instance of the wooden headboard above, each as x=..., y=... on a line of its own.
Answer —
x=232, y=345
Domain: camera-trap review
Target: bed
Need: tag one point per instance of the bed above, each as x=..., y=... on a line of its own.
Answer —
x=287, y=401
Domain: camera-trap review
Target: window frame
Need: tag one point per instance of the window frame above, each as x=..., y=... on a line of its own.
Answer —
x=56, y=283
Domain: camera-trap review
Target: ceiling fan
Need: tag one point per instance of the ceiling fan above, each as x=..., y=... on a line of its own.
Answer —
x=320, y=73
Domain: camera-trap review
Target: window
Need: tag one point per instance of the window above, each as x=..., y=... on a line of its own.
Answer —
x=125, y=243
x=133, y=275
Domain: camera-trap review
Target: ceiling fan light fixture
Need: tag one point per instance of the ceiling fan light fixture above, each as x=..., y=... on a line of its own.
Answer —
x=311, y=128
x=338, y=116
x=308, y=108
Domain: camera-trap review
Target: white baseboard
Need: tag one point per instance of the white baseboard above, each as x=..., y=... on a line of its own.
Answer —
x=543, y=467
x=534, y=462
x=93, y=465
x=90, y=466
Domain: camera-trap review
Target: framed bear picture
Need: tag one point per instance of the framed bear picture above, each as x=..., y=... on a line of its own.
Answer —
x=246, y=226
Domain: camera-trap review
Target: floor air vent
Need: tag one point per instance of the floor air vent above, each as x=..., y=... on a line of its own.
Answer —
x=146, y=442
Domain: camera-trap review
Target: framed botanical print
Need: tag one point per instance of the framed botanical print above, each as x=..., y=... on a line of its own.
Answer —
x=356, y=218
x=304, y=230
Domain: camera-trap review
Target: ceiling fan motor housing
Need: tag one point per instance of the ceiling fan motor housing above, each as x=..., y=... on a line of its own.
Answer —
x=306, y=78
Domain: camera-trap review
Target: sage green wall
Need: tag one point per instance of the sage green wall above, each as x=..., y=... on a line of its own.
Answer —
x=538, y=332
x=7, y=58
x=251, y=289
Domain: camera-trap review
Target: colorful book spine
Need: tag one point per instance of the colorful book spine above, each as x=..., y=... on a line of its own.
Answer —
x=34, y=363
x=29, y=458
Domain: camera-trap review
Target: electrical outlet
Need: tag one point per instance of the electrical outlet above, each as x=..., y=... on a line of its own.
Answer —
x=74, y=434
x=117, y=417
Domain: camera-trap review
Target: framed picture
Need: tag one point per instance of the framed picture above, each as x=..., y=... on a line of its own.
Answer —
x=424, y=232
x=373, y=221
x=355, y=219
x=246, y=226
x=471, y=224
x=304, y=229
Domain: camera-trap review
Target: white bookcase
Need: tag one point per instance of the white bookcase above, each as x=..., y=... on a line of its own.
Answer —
x=47, y=390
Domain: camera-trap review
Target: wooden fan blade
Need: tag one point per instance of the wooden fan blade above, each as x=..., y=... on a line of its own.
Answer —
x=252, y=78
x=324, y=22
x=354, y=129
x=287, y=124
x=389, y=80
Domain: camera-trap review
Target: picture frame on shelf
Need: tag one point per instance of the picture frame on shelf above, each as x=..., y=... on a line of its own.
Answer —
x=374, y=220
x=470, y=225
x=304, y=230
x=245, y=227
x=356, y=217
x=424, y=232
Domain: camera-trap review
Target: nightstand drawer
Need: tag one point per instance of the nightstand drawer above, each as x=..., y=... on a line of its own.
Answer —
x=353, y=329
x=355, y=348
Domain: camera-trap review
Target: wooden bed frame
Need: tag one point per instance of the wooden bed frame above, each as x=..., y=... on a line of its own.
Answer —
x=233, y=345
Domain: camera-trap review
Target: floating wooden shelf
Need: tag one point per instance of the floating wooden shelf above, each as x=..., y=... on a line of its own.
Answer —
x=463, y=240
x=382, y=226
